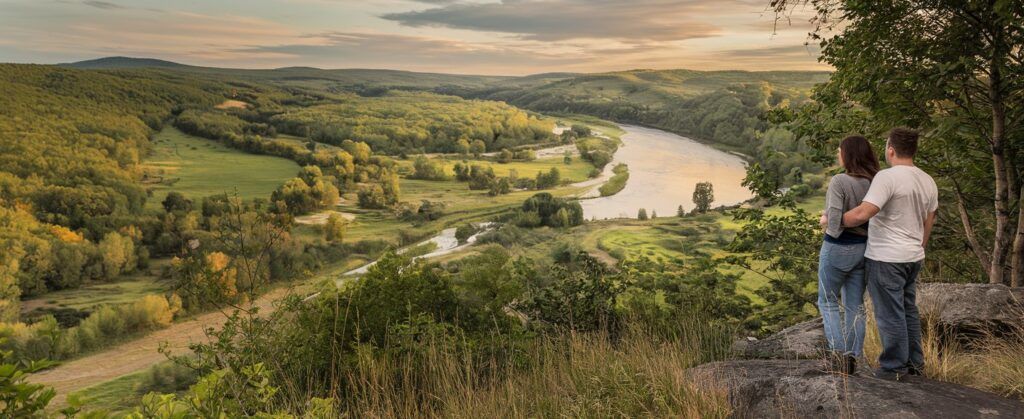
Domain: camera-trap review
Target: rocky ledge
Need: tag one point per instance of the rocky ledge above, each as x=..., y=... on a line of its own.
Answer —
x=798, y=388
x=964, y=310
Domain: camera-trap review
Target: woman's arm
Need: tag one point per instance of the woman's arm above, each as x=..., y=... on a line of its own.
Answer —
x=833, y=216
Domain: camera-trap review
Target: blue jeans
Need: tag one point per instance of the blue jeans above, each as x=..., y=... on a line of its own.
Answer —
x=841, y=274
x=893, y=289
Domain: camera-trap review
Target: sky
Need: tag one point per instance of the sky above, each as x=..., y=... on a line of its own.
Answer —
x=499, y=37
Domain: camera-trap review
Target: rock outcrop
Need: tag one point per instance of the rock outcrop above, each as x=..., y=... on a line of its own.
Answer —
x=801, y=341
x=967, y=308
x=797, y=388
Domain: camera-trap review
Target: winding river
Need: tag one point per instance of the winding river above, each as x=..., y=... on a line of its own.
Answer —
x=663, y=169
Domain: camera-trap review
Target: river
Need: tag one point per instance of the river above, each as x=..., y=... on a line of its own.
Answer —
x=663, y=169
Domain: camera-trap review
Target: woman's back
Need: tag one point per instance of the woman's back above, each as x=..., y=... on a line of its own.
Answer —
x=845, y=192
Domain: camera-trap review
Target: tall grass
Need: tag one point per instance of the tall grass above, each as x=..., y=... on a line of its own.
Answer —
x=991, y=362
x=571, y=375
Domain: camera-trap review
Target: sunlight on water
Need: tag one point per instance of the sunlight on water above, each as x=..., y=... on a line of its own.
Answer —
x=663, y=169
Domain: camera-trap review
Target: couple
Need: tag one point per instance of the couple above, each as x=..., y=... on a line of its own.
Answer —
x=883, y=255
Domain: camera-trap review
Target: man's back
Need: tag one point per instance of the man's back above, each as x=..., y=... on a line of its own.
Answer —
x=905, y=195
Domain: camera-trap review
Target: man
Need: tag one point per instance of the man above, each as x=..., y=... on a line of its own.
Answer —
x=901, y=204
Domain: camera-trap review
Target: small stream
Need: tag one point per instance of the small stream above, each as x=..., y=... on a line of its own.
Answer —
x=445, y=243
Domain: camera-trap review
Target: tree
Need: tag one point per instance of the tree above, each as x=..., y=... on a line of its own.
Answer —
x=680, y=212
x=953, y=69
x=389, y=183
x=504, y=156
x=641, y=214
x=334, y=229
x=703, y=196
x=500, y=186
x=175, y=201
x=462, y=146
x=118, y=254
x=426, y=169
x=549, y=179
x=478, y=147
x=654, y=214
x=580, y=130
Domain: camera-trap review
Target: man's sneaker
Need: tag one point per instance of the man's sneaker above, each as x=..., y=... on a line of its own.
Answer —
x=917, y=370
x=888, y=375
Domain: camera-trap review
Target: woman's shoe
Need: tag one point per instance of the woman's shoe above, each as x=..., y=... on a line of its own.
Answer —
x=851, y=364
x=838, y=363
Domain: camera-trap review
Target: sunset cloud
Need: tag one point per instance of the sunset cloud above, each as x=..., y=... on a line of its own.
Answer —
x=555, y=20
x=507, y=37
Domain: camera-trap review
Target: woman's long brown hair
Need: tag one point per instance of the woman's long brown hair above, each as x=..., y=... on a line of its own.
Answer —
x=858, y=157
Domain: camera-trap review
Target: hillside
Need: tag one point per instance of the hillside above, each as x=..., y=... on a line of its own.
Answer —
x=327, y=79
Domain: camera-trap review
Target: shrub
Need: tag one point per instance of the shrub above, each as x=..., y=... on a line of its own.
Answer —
x=426, y=169
x=464, y=232
x=167, y=377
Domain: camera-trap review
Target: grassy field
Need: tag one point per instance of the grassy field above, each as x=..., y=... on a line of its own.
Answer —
x=197, y=167
x=118, y=396
x=127, y=289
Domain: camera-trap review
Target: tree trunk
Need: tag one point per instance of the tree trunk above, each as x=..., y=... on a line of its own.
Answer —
x=1002, y=211
x=1017, y=260
x=972, y=237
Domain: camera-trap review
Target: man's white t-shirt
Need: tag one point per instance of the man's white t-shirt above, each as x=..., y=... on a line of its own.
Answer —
x=906, y=195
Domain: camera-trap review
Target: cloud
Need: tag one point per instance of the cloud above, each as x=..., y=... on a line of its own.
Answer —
x=557, y=20
x=420, y=53
x=106, y=5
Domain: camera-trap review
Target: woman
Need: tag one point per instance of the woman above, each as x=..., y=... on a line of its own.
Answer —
x=841, y=263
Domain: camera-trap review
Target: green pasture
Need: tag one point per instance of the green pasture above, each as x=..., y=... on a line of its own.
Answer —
x=198, y=167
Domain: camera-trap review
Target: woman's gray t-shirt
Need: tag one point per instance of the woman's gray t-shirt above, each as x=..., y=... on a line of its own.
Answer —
x=845, y=192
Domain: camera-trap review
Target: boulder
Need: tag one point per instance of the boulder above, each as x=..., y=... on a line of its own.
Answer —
x=797, y=388
x=801, y=341
x=971, y=307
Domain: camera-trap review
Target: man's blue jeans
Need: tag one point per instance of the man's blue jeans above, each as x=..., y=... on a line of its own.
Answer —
x=841, y=296
x=893, y=289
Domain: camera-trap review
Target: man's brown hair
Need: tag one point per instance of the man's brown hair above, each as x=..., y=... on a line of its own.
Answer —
x=904, y=141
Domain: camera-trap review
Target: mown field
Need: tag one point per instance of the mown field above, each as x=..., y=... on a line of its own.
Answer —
x=199, y=167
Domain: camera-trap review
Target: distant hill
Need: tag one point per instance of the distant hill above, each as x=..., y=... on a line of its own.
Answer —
x=124, y=62
x=310, y=77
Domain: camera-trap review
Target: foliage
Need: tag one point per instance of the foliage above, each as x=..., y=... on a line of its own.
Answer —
x=953, y=70
x=548, y=180
x=18, y=397
x=553, y=212
x=782, y=248
x=334, y=229
x=427, y=169
x=403, y=121
x=44, y=339
x=465, y=231
x=642, y=214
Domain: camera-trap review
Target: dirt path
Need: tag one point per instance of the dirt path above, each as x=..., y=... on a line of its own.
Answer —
x=135, y=355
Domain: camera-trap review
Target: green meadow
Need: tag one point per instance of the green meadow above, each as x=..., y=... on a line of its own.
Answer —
x=199, y=167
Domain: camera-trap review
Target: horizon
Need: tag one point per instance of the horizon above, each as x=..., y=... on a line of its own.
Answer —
x=467, y=37
x=627, y=70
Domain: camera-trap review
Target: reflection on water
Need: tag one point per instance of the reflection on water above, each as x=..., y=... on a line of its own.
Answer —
x=663, y=169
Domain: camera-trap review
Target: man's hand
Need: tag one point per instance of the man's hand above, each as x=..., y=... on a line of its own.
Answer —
x=823, y=220
x=860, y=215
x=928, y=224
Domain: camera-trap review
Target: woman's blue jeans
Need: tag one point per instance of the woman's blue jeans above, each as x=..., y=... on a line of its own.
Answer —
x=841, y=296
